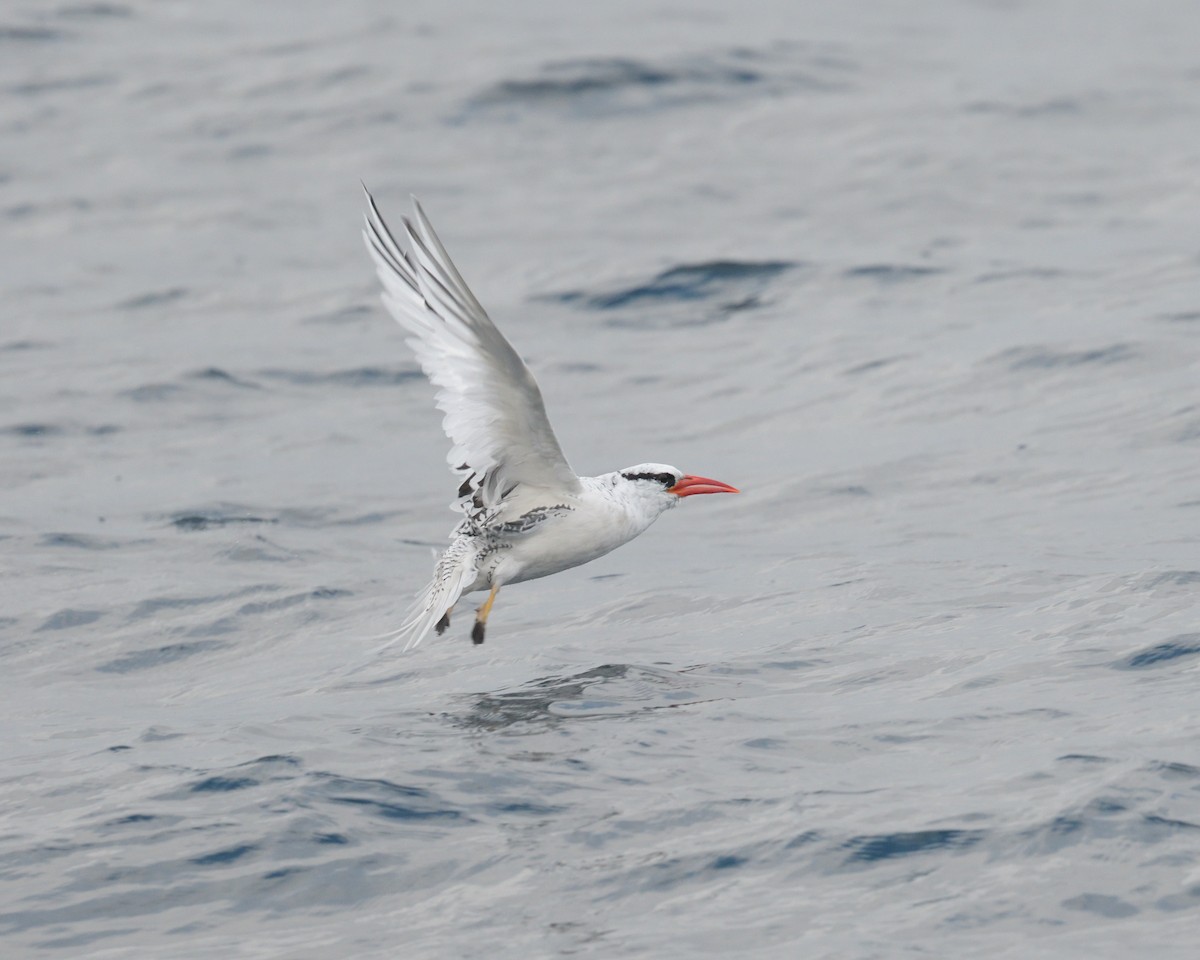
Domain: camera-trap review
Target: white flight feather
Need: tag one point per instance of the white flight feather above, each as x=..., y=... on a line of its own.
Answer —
x=455, y=572
x=494, y=414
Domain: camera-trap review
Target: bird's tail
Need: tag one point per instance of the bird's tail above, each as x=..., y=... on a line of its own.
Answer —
x=453, y=575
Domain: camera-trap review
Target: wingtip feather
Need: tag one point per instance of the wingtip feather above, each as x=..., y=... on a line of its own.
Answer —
x=493, y=407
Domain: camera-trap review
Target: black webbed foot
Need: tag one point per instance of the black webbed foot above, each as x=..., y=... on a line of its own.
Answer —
x=477, y=633
x=444, y=624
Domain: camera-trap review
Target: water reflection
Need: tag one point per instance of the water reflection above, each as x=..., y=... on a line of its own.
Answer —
x=612, y=689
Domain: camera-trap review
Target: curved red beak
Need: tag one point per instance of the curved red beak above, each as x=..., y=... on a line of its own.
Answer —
x=688, y=485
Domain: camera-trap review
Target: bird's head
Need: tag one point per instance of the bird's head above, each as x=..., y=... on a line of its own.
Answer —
x=661, y=485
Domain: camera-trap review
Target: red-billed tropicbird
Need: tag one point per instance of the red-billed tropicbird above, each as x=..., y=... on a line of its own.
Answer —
x=527, y=514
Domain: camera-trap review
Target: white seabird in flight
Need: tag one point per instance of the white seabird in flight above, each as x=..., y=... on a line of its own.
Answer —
x=527, y=514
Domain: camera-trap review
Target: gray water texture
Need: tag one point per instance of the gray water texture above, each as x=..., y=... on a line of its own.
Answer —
x=922, y=279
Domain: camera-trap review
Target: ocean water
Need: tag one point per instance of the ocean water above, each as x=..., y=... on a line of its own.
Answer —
x=922, y=279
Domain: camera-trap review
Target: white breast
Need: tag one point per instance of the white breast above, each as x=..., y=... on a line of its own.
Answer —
x=599, y=520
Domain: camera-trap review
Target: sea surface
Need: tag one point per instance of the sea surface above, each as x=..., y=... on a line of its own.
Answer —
x=923, y=279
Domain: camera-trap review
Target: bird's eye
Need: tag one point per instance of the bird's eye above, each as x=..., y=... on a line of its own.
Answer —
x=666, y=479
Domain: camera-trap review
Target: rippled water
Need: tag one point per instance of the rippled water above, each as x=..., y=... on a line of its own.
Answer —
x=922, y=280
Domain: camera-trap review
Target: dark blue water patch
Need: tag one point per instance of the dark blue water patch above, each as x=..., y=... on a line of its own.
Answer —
x=335, y=839
x=899, y=738
x=222, y=784
x=244, y=776
x=1044, y=358
x=360, y=377
x=58, y=84
x=1188, y=899
x=16, y=345
x=338, y=76
x=1104, y=807
x=850, y=490
x=1106, y=906
x=1183, y=316
x=153, y=393
x=1182, y=645
x=532, y=703
x=1188, y=433
x=569, y=78
x=1055, y=107
x=283, y=872
x=889, y=846
x=578, y=367
x=351, y=314
x=1173, y=770
x=158, y=656
x=221, y=627
x=1167, y=824
x=257, y=549
x=31, y=430
x=1021, y=273
x=152, y=607
x=804, y=839
x=890, y=272
x=723, y=287
x=1176, y=578
x=671, y=872
x=228, y=855
x=1105, y=818
x=285, y=760
x=219, y=376
x=686, y=282
x=14, y=33
x=600, y=86
x=870, y=365
x=84, y=541
x=157, y=734
x=1083, y=758
x=603, y=86
x=283, y=603
x=154, y=298
x=42, y=431
x=249, y=151
x=383, y=798
x=215, y=518
x=522, y=808
x=95, y=11
x=84, y=939
x=368, y=519
x=68, y=617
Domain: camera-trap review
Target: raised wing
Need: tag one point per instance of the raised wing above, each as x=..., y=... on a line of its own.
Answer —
x=494, y=411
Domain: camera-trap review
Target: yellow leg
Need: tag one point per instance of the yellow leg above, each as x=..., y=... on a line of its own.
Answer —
x=481, y=616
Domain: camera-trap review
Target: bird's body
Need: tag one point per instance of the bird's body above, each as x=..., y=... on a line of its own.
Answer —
x=526, y=514
x=535, y=533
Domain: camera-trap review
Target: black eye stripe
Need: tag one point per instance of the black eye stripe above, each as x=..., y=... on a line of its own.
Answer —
x=666, y=479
